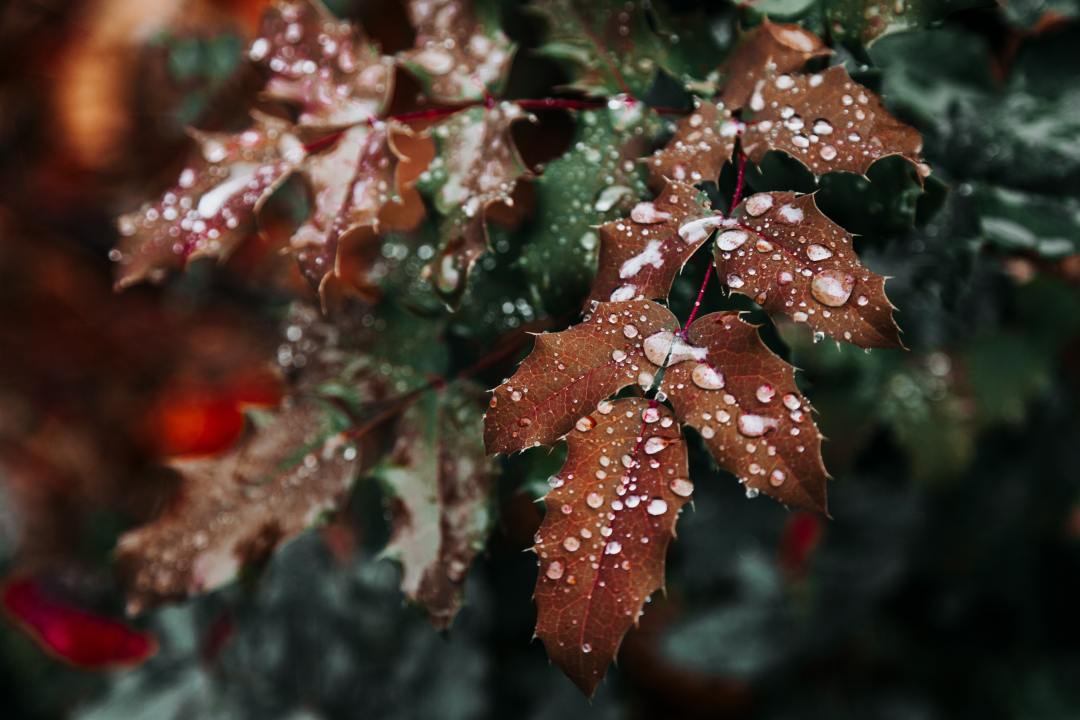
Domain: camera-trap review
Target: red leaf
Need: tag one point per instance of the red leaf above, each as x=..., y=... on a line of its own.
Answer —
x=569, y=372
x=787, y=47
x=641, y=255
x=74, y=635
x=743, y=401
x=702, y=143
x=828, y=122
x=603, y=541
x=322, y=64
x=794, y=261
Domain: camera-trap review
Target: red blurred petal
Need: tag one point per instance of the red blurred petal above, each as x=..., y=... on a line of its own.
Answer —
x=801, y=535
x=73, y=635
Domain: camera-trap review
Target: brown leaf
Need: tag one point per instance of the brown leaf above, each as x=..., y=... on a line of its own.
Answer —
x=213, y=204
x=569, y=372
x=794, y=261
x=478, y=165
x=362, y=186
x=322, y=64
x=828, y=122
x=743, y=401
x=441, y=481
x=702, y=144
x=601, y=547
x=788, y=47
x=235, y=508
x=457, y=57
x=641, y=255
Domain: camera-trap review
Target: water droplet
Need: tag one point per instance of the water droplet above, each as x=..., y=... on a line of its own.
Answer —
x=696, y=231
x=555, y=570
x=791, y=401
x=832, y=287
x=571, y=543
x=604, y=407
x=731, y=239
x=613, y=548
x=756, y=425
x=656, y=506
x=735, y=281
x=822, y=127
x=630, y=331
x=765, y=393
x=707, y=378
x=777, y=478
x=664, y=347
x=647, y=214
x=784, y=82
x=594, y=500
x=816, y=252
x=827, y=152
x=585, y=424
x=655, y=444
x=681, y=487
x=586, y=648
x=618, y=355
x=758, y=203
x=650, y=415
x=790, y=214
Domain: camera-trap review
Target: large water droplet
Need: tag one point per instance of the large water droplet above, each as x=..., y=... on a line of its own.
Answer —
x=665, y=348
x=585, y=424
x=655, y=444
x=681, y=487
x=571, y=543
x=594, y=500
x=756, y=425
x=647, y=214
x=832, y=287
x=656, y=506
x=731, y=239
x=817, y=252
x=758, y=203
x=706, y=377
x=613, y=548
x=555, y=570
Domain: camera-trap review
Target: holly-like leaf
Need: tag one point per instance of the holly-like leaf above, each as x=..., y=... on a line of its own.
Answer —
x=569, y=372
x=608, y=45
x=322, y=64
x=213, y=204
x=783, y=47
x=460, y=52
x=866, y=21
x=441, y=481
x=361, y=187
x=742, y=399
x=703, y=142
x=477, y=166
x=610, y=517
x=826, y=121
x=641, y=255
x=597, y=179
x=794, y=261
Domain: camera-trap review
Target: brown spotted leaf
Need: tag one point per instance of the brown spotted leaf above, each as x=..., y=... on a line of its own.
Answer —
x=702, y=144
x=785, y=47
x=322, y=64
x=459, y=54
x=569, y=372
x=362, y=186
x=604, y=537
x=477, y=166
x=826, y=121
x=441, y=481
x=641, y=255
x=235, y=508
x=213, y=204
x=794, y=261
x=743, y=401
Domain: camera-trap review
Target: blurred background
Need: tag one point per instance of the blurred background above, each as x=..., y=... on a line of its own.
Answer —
x=945, y=585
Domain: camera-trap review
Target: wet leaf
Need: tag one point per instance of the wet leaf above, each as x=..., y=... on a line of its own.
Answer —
x=743, y=401
x=568, y=373
x=784, y=47
x=213, y=204
x=601, y=547
x=866, y=21
x=703, y=142
x=321, y=64
x=826, y=121
x=361, y=187
x=640, y=255
x=794, y=261
x=477, y=166
x=440, y=479
x=460, y=52
x=235, y=508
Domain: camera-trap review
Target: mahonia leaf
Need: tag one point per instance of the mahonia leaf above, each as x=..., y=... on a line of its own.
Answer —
x=703, y=142
x=869, y=20
x=608, y=44
x=569, y=372
x=597, y=179
x=233, y=509
x=641, y=255
x=361, y=187
x=743, y=401
x=322, y=64
x=610, y=517
x=794, y=261
x=477, y=166
x=460, y=53
x=828, y=122
x=441, y=480
x=213, y=204
x=783, y=47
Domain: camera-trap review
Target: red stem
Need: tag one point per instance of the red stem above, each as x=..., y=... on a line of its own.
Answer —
x=739, y=183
